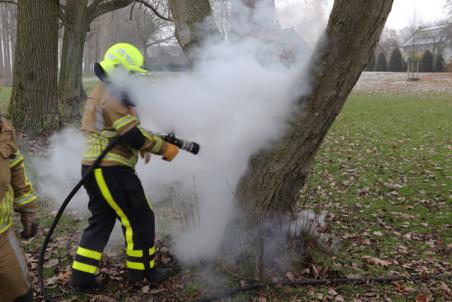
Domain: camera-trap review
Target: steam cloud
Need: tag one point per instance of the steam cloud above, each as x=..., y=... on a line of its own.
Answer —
x=234, y=103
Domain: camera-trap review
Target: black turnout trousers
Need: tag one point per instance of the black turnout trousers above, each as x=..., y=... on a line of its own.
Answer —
x=116, y=193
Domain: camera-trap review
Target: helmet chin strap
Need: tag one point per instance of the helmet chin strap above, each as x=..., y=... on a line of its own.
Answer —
x=102, y=75
x=100, y=72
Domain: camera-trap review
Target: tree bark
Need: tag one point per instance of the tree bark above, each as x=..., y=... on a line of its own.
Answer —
x=70, y=88
x=34, y=105
x=274, y=177
x=188, y=16
x=7, y=45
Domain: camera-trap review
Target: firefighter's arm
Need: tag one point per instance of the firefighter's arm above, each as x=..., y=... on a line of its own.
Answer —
x=25, y=202
x=128, y=126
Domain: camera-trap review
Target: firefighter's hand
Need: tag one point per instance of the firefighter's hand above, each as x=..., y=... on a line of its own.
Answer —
x=30, y=224
x=146, y=156
x=170, y=152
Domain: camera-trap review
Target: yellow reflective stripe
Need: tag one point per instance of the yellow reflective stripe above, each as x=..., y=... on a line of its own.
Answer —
x=123, y=121
x=90, y=269
x=89, y=253
x=108, y=134
x=158, y=144
x=6, y=204
x=16, y=161
x=113, y=157
x=152, y=251
x=25, y=199
x=6, y=227
x=134, y=253
x=107, y=195
x=152, y=263
x=158, y=140
x=135, y=265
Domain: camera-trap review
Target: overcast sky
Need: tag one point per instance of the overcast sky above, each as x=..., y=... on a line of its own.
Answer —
x=400, y=17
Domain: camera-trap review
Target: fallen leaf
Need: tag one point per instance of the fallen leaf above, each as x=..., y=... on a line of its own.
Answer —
x=64, y=277
x=377, y=261
x=422, y=298
x=339, y=298
x=51, y=263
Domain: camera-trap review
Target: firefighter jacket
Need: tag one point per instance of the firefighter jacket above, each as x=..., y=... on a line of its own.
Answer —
x=16, y=191
x=105, y=116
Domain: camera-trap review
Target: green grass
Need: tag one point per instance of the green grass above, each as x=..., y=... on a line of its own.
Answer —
x=5, y=93
x=384, y=167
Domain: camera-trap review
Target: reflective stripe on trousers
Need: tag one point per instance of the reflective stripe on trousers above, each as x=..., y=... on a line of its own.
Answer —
x=116, y=193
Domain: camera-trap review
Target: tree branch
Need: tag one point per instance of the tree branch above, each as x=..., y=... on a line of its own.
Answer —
x=131, y=10
x=62, y=14
x=156, y=42
x=99, y=7
x=154, y=10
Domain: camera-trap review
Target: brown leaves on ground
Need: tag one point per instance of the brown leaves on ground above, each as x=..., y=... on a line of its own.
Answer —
x=377, y=261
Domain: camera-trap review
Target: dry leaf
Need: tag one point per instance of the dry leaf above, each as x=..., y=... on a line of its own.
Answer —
x=378, y=233
x=145, y=289
x=339, y=298
x=51, y=263
x=64, y=277
x=422, y=298
x=332, y=292
x=377, y=261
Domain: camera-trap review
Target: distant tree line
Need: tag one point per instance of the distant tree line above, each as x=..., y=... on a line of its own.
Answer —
x=396, y=63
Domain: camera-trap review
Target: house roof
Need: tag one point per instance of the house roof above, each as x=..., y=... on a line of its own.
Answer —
x=430, y=35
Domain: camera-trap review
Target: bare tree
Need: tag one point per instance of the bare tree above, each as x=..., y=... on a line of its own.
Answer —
x=34, y=105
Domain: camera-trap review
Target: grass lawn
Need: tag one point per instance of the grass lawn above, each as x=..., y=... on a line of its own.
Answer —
x=5, y=93
x=384, y=175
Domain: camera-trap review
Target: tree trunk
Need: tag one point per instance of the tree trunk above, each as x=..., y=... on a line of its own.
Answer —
x=77, y=20
x=34, y=106
x=188, y=16
x=1, y=58
x=274, y=177
x=70, y=88
x=6, y=44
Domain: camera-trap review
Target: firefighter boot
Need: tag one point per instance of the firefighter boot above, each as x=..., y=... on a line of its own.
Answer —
x=97, y=285
x=161, y=274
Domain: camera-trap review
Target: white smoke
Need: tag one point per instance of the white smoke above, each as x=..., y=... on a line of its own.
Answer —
x=307, y=17
x=234, y=103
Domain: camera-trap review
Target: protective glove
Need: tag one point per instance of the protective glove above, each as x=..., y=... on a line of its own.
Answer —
x=170, y=152
x=30, y=224
x=146, y=156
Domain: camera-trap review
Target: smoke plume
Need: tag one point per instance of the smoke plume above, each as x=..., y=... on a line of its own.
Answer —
x=234, y=103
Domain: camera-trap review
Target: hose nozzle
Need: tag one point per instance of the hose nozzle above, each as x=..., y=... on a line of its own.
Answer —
x=191, y=147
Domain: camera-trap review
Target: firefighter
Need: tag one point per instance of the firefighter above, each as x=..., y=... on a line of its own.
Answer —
x=16, y=192
x=114, y=189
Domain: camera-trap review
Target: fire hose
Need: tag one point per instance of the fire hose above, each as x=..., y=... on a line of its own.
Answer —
x=316, y=282
x=191, y=147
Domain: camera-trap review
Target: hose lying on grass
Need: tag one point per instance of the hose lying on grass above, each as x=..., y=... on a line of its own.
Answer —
x=308, y=282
